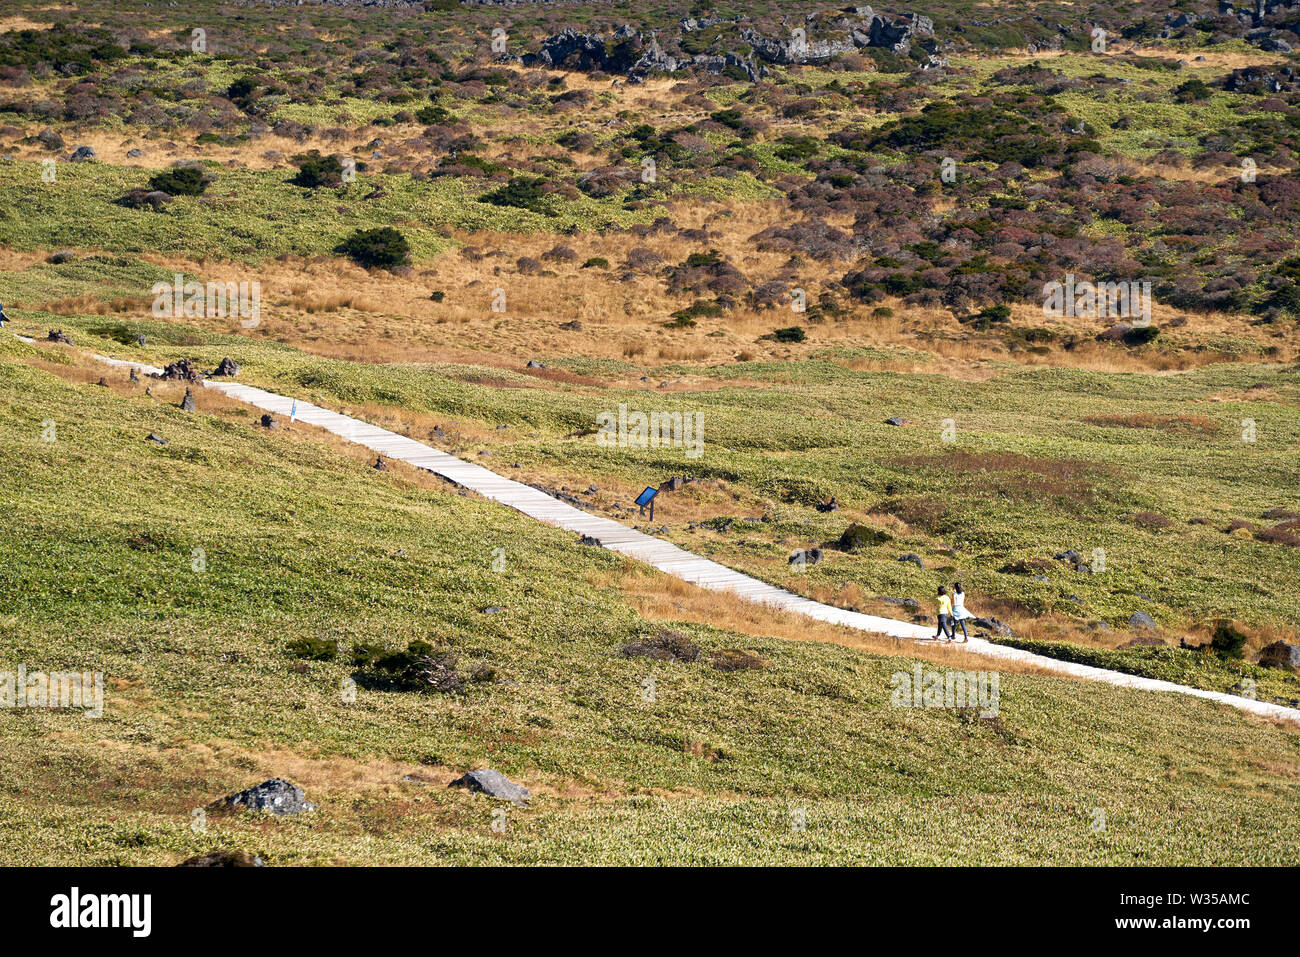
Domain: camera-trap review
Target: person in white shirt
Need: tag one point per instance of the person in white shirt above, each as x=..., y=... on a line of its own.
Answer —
x=959, y=612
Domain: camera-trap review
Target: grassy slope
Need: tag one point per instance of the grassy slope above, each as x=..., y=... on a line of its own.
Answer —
x=301, y=541
x=827, y=422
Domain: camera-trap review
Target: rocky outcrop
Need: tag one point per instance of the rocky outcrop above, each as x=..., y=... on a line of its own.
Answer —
x=821, y=37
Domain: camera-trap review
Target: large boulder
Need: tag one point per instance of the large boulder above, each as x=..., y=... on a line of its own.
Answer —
x=276, y=796
x=1280, y=655
x=494, y=784
x=1141, y=619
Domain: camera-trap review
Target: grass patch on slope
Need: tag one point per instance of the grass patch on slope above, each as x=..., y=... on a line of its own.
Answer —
x=96, y=571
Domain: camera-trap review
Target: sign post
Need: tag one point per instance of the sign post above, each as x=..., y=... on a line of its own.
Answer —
x=648, y=498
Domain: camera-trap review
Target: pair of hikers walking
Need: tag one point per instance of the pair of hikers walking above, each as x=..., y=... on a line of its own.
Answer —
x=952, y=612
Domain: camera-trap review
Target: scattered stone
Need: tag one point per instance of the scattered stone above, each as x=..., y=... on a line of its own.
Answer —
x=187, y=403
x=589, y=540
x=994, y=625
x=1280, y=655
x=807, y=556
x=1140, y=619
x=50, y=140
x=913, y=559
x=494, y=784
x=673, y=484
x=1070, y=557
x=83, y=154
x=268, y=421
x=223, y=859
x=60, y=257
x=134, y=154
x=133, y=377
x=140, y=340
x=183, y=370
x=828, y=505
x=1099, y=626
x=572, y=326
x=895, y=420
x=493, y=610
x=102, y=381
x=898, y=602
x=380, y=465
x=57, y=335
x=276, y=796
x=227, y=367
x=534, y=364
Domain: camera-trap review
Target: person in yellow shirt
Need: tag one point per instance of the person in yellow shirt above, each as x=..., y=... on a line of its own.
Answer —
x=945, y=616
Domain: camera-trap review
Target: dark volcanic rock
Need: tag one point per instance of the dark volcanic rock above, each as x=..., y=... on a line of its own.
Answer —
x=1140, y=619
x=187, y=403
x=57, y=335
x=493, y=783
x=276, y=796
x=183, y=370
x=807, y=556
x=1280, y=655
x=223, y=859
x=227, y=366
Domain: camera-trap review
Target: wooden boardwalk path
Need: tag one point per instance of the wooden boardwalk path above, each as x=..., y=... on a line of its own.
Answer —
x=663, y=555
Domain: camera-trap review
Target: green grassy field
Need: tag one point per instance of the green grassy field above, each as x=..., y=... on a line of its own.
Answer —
x=1027, y=476
x=204, y=699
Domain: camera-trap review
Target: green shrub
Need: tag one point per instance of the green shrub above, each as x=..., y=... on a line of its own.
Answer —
x=1228, y=642
x=182, y=181
x=382, y=247
x=522, y=192
x=316, y=170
